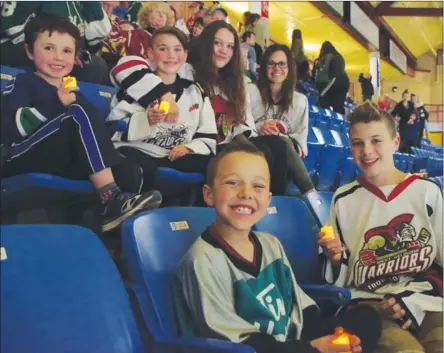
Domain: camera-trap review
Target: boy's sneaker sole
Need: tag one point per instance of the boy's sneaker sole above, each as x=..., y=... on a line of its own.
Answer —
x=106, y=227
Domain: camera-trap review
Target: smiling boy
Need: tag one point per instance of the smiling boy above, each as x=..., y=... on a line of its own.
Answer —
x=49, y=128
x=388, y=245
x=238, y=284
x=153, y=139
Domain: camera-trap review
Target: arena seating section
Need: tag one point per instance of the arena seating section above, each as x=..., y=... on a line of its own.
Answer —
x=77, y=294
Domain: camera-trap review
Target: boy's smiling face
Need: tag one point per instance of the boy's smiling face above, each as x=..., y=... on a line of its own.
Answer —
x=167, y=54
x=372, y=148
x=240, y=192
x=53, y=55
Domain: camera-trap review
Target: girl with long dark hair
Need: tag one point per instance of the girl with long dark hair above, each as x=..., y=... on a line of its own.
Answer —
x=219, y=70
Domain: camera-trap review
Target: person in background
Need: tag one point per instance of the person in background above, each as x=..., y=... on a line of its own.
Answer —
x=131, y=13
x=219, y=70
x=403, y=113
x=49, y=128
x=214, y=13
x=196, y=8
x=333, y=90
x=387, y=247
x=249, y=39
x=177, y=7
x=155, y=15
x=423, y=116
x=241, y=26
x=384, y=102
x=278, y=110
x=89, y=17
x=297, y=50
x=366, y=86
x=197, y=28
x=237, y=284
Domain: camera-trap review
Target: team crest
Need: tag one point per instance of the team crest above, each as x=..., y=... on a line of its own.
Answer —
x=392, y=251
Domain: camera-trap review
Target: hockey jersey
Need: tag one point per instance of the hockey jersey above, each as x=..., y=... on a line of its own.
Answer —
x=228, y=297
x=28, y=102
x=293, y=123
x=88, y=16
x=139, y=88
x=394, y=241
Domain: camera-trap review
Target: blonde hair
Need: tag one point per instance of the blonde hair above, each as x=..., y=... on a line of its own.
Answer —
x=147, y=7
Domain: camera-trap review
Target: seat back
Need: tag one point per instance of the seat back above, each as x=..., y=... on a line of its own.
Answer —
x=290, y=220
x=153, y=244
x=329, y=162
x=347, y=171
x=7, y=74
x=100, y=96
x=61, y=292
x=319, y=203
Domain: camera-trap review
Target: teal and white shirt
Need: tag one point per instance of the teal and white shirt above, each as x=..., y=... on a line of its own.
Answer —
x=228, y=297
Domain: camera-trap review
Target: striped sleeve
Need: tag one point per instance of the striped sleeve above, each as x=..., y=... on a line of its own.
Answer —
x=133, y=76
x=18, y=117
x=98, y=25
x=15, y=15
x=204, y=140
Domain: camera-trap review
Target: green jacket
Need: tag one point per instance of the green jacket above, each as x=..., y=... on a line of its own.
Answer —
x=88, y=16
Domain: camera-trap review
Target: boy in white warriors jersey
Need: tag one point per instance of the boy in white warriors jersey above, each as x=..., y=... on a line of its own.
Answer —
x=388, y=245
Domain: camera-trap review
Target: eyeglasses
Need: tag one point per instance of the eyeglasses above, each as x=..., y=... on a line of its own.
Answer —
x=280, y=64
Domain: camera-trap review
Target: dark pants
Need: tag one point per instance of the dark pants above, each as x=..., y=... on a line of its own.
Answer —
x=367, y=97
x=190, y=163
x=74, y=145
x=335, y=96
x=275, y=151
x=95, y=72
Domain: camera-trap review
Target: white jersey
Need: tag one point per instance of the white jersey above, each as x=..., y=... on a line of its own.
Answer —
x=139, y=89
x=293, y=123
x=393, y=236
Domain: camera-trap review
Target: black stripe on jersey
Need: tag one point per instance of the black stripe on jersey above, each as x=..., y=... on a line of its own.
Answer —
x=201, y=135
x=431, y=181
x=151, y=96
x=347, y=192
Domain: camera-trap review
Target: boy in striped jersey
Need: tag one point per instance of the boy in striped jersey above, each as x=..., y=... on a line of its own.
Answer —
x=47, y=127
x=388, y=247
x=185, y=142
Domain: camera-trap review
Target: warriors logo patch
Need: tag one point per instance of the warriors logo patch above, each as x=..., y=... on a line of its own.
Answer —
x=391, y=251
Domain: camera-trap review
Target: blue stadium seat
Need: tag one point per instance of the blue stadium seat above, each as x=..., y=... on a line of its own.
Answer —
x=100, y=96
x=438, y=180
x=36, y=190
x=61, y=292
x=153, y=244
x=328, y=166
x=290, y=220
x=347, y=171
x=319, y=204
x=8, y=73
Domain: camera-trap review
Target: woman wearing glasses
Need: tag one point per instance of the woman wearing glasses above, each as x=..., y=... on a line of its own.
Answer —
x=280, y=111
x=219, y=70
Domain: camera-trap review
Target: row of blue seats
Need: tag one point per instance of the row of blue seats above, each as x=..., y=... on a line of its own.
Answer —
x=426, y=144
x=78, y=300
x=427, y=161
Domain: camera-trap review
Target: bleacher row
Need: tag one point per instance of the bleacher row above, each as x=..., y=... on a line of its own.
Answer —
x=61, y=292
x=329, y=161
